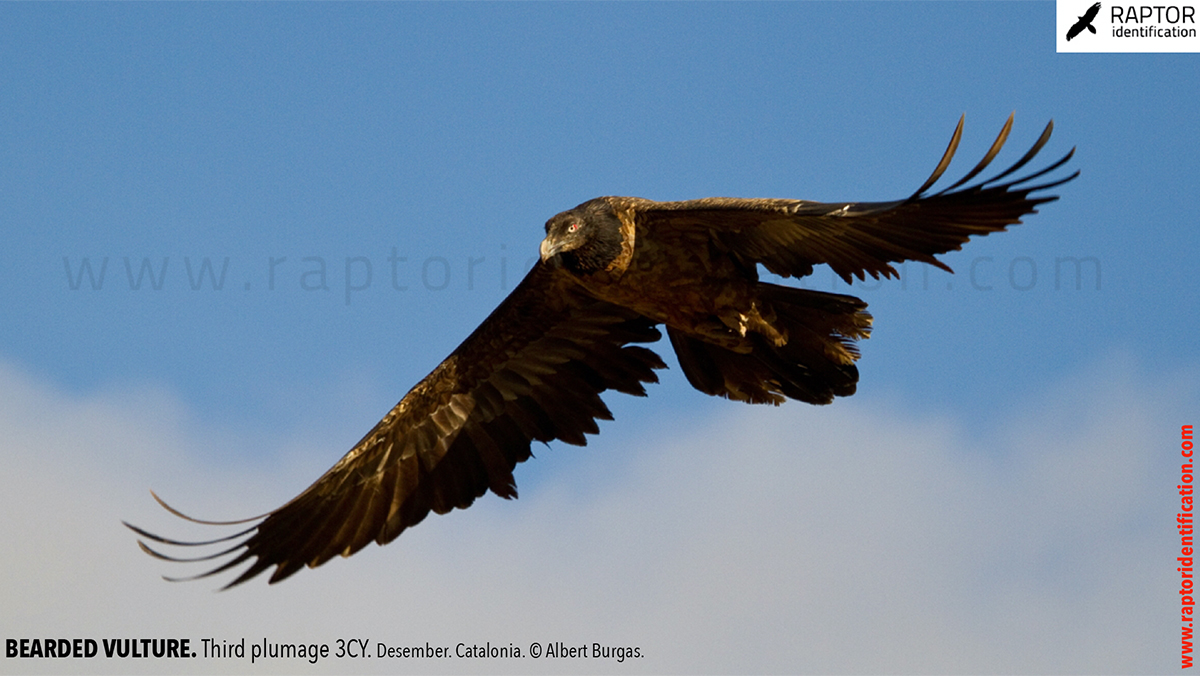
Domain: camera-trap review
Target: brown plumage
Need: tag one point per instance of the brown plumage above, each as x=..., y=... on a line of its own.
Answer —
x=611, y=271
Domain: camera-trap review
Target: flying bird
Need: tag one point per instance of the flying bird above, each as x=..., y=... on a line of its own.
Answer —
x=611, y=272
x=1085, y=21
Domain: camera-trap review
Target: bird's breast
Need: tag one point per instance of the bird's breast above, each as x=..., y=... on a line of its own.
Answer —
x=686, y=288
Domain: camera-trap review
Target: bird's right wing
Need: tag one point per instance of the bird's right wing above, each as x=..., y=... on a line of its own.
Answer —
x=533, y=370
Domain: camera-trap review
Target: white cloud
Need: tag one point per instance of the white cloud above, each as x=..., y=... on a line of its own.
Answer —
x=851, y=538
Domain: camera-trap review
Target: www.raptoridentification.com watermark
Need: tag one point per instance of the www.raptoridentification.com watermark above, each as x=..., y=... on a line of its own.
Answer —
x=1185, y=524
x=352, y=275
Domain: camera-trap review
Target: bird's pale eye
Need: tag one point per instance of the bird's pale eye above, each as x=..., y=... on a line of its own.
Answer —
x=572, y=227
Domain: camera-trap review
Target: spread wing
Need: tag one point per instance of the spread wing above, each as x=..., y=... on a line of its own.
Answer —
x=532, y=371
x=789, y=237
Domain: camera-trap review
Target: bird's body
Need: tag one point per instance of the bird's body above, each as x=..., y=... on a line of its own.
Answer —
x=674, y=276
x=612, y=270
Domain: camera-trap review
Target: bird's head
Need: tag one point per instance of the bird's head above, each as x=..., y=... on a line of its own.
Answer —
x=585, y=239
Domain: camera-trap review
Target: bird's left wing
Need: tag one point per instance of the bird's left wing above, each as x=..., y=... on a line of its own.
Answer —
x=789, y=236
x=532, y=371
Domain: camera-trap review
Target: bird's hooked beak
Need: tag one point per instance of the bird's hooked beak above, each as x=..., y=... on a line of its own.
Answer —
x=549, y=251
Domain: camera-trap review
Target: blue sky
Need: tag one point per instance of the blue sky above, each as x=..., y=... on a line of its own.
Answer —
x=1010, y=447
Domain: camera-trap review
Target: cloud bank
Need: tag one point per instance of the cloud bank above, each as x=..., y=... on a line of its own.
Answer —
x=860, y=537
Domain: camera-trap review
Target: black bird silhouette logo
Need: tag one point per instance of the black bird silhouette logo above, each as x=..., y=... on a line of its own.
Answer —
x=1085, y=21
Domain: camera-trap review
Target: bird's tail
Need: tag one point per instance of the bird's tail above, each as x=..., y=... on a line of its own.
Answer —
x=815, y=365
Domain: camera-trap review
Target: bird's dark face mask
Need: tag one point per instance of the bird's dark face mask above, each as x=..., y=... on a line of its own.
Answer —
x=584, y=240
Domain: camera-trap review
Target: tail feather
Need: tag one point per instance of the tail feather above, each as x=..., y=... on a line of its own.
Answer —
x=815, y=365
